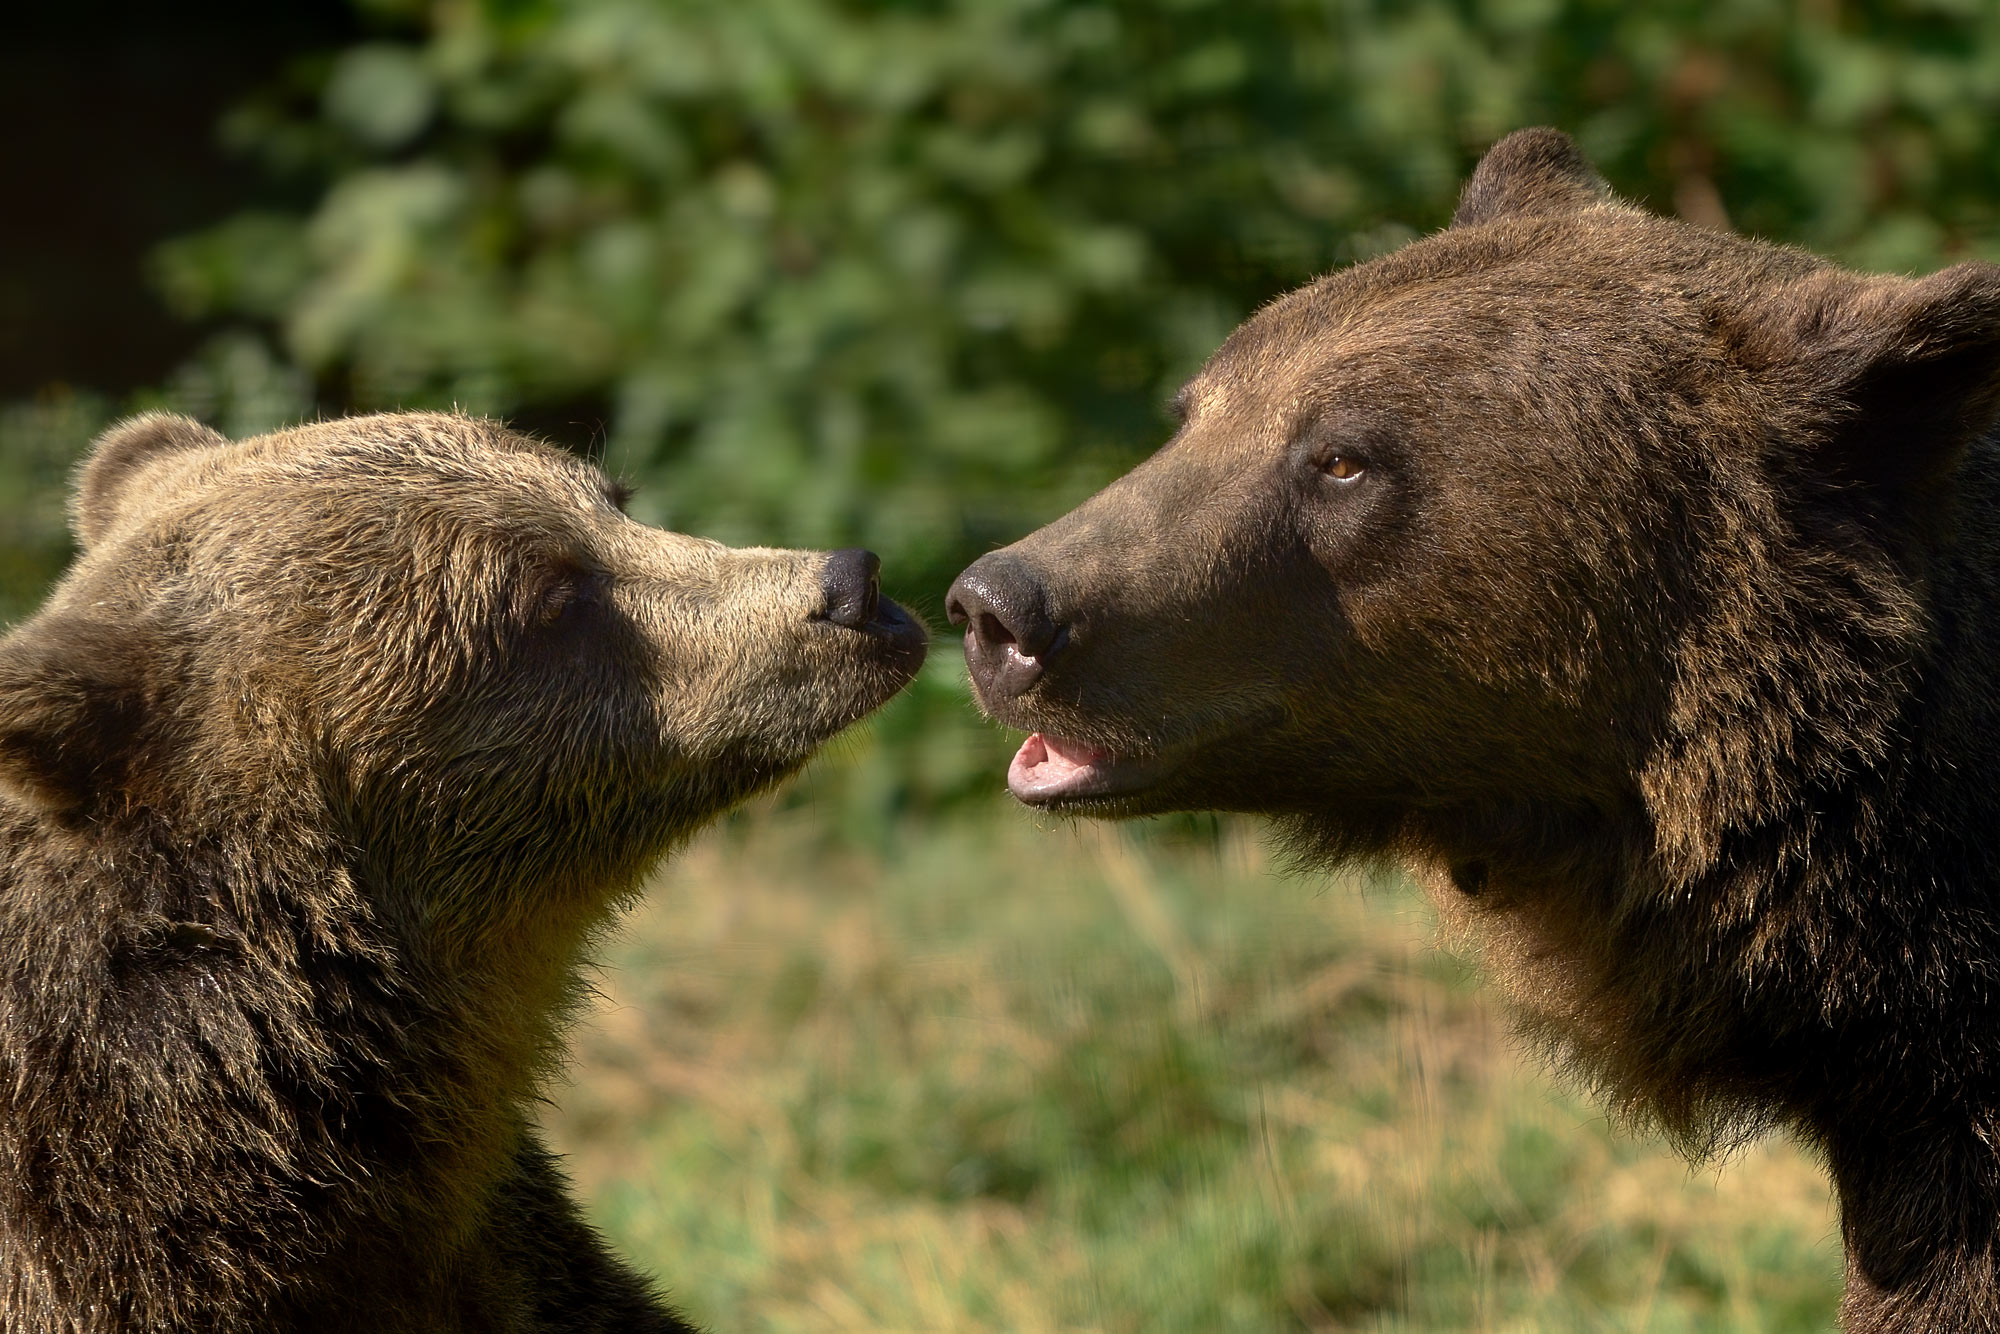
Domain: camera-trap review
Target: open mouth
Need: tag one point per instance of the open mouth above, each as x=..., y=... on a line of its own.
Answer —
x=1050, y=770
x=1057, y=772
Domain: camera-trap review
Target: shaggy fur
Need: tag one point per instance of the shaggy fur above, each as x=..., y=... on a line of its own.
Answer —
x=1636, y=585
x=318, y=772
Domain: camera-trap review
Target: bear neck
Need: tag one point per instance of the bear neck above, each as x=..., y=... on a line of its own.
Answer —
x=1791, y=918
x=338, y=1081
x=1838, y=977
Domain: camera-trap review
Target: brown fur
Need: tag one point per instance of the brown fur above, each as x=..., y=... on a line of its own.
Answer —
x=318, y=773
x=1658, y=631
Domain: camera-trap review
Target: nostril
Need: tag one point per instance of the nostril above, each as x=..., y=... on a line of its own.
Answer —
x=1009, y=634
x=851, y=587
x=1035, y=635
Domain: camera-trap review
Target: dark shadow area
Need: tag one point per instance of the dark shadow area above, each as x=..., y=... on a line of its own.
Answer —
x=112, y=144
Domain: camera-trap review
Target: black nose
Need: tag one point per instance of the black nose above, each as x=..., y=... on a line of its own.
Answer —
x=851, y=583
x=1009, y=636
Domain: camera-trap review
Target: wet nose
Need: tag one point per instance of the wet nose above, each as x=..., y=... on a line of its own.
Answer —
x=851, y=584
x=1009, y=636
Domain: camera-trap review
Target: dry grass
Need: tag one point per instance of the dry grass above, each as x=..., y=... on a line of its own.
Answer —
x=999, y=1077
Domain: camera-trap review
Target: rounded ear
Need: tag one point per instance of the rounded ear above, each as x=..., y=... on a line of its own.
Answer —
x=1536, y=172
x=1896, y=376
x=120, y=454
x=70, y=700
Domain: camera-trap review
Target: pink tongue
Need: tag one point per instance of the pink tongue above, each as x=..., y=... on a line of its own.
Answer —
x=1046, y=766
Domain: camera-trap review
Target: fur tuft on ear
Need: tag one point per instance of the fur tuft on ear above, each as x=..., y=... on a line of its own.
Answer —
x=70, y=706
x=119, y=455
x=1536, y=172
x=1903, y=373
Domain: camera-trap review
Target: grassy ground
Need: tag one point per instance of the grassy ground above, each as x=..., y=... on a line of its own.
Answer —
x=1009, y=1077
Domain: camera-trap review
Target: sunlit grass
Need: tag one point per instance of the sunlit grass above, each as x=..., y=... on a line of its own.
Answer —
x=1012, y=1078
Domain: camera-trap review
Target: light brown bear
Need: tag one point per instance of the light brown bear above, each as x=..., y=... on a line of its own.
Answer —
x=318, y=773
x=1638, y=587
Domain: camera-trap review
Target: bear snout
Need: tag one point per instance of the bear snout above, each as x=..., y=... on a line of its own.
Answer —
x=1010, y=637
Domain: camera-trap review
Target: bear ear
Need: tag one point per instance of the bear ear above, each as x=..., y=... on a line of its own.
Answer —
x=1537, y=172
x=1895, y=375
x=70, y=700
x=118, y=456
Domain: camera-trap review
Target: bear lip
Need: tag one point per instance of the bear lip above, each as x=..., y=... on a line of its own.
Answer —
x=899, y=637
x=1049, y=769
x=902, y=632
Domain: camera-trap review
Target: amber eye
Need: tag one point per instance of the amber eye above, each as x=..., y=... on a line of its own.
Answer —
x=557, y=596
x=1343, y=468
x=567, y=591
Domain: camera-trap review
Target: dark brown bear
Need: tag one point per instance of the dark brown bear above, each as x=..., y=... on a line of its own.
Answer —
x=1635, y=585
x=318, y=773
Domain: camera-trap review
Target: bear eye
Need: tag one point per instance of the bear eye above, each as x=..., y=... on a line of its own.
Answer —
x=563, y=593
x=1343, y=468
x=554, y=599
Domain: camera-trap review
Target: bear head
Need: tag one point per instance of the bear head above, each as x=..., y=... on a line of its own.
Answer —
x=431, y=642
x=1563, y=515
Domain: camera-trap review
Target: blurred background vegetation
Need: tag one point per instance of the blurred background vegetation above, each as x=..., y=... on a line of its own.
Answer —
x=917, y=275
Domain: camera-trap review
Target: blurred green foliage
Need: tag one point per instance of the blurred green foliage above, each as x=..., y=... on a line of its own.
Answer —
x=918, y=274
